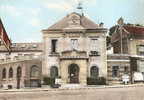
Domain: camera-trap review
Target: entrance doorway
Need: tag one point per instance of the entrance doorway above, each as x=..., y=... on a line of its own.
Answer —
x=73, y=73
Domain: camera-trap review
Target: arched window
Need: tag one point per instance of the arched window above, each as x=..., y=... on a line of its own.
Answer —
x=35, y=72
x=10, y=73
x=19, y=72
x=94, y=72
x=4, y=73
x=54, y=72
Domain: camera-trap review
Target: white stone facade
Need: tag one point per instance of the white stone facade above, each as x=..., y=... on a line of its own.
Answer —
x=85, y=40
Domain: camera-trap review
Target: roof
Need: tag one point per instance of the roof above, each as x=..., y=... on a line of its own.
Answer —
x=64, y=22
x=134, y=29
x=131, y=29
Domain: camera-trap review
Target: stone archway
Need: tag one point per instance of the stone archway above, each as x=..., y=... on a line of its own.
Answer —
x=35, y=76
x=73, y=71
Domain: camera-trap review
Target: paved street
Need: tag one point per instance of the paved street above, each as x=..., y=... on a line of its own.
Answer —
x=112, y=93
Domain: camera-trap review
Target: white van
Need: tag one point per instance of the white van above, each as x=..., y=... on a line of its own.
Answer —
x=138, y=77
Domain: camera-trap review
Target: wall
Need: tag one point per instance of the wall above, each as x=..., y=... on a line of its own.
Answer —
x=64, y=44
x=25, y=76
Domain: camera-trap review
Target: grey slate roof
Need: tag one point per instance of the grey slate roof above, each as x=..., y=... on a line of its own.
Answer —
x=85, y=22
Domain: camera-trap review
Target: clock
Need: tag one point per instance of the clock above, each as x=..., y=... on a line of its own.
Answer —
x=75, y=20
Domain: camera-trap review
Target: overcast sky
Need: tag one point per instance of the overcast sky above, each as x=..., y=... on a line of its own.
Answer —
x=24, y=19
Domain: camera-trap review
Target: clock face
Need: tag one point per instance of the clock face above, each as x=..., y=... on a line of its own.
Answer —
x=75, y=20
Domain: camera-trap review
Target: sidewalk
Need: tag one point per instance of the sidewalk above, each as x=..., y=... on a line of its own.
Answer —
x=71, y=88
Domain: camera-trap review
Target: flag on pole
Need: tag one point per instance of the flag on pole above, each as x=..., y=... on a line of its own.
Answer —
x=4, y=37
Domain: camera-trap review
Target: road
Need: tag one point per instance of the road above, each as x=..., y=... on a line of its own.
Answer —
x=120, y=93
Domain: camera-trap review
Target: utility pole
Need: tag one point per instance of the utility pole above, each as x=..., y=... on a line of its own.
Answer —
x=120, y=23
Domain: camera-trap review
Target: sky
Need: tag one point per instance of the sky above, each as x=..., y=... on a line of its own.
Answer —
x=24, y=19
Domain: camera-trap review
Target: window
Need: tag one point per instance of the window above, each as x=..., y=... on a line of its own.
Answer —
x=4, y=73
x=35, y=72
x=54, y=72
x=74, y=44
x=94, y=53
x=126, y=70
x=19, y=72
x=141, y=49
x=141, y=65
x=10, y=73
x=115, y=70
x=94, y=72
x=54, y=45
x=13, y=45
x=34, y=46
x=94, y=44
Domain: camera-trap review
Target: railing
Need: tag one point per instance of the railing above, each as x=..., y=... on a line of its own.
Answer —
x=76, y=57
x=18, y=58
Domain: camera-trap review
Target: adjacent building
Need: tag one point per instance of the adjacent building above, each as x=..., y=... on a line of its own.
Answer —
x=22, y=68
x=128, y=49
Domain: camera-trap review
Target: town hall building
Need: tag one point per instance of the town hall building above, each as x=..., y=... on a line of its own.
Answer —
x=75, y=49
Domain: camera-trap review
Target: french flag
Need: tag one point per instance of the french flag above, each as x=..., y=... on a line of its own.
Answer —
x=4, y=37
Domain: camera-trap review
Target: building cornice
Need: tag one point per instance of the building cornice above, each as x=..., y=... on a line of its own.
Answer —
x=97, y=30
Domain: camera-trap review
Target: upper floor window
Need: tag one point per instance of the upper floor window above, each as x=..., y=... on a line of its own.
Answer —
x=74, y=44
x=53, y=45
x=94, y=44
x=115, y=70
x=141, y=49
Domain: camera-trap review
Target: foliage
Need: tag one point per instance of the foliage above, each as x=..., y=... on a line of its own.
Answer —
x=96, y=81
x=49, y=81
